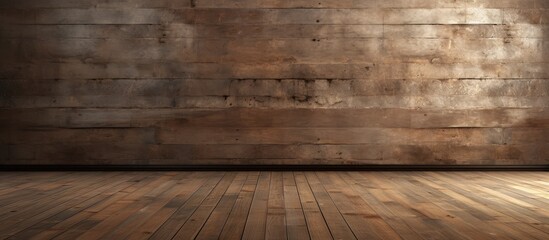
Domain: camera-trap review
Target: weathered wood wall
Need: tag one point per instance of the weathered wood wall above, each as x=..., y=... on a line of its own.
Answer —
x=274, y=82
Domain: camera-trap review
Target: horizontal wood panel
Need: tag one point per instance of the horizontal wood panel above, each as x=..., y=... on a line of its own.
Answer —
x=278, y=154
x=247, y=135
x=372, y=4
x=408, y=102
x=465, y=31
x=94, y=16
x=276, y=4
x=276, y=88
x=278, y=71
x=248, y=117
x=296, y=51
x=70, y=136
x=328, y=135
x=181, y=93
x=180, y=30
x=275, y=16
x=95, y=4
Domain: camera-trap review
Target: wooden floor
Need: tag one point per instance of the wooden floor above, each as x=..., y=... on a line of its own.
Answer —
x=274, y=205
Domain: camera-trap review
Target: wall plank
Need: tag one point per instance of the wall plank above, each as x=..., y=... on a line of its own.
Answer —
x=97, y=153
x=265, y=118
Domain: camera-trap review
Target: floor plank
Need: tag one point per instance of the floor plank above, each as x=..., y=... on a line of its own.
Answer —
x=234, y=227
x=274, y=205
x=296, y=226
x=318, y=229
x=257, y=218
x=335, y=220
x=179, y=217
x=276, y=212
x=191, y=228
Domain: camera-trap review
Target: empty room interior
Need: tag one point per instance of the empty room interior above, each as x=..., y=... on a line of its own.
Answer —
x=274, y=119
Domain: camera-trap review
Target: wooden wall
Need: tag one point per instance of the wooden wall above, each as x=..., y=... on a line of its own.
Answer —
x=274, y=82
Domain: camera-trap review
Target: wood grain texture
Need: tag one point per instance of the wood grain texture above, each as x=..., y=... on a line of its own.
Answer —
x=279, y=205
x=274, y=82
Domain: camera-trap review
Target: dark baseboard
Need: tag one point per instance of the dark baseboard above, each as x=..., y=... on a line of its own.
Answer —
x=274, y=167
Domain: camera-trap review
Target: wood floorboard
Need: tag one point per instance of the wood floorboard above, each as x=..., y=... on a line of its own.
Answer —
x=55, y=200
x=296, y=226
x=316, y=223
x=234, y=226
x=274, y=205
x=256, y=222
x=190, y=229
x=172, y=225
x=218, y=217
x=335, y=220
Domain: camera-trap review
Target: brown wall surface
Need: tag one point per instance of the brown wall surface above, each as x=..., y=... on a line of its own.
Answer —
x=274, y=82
